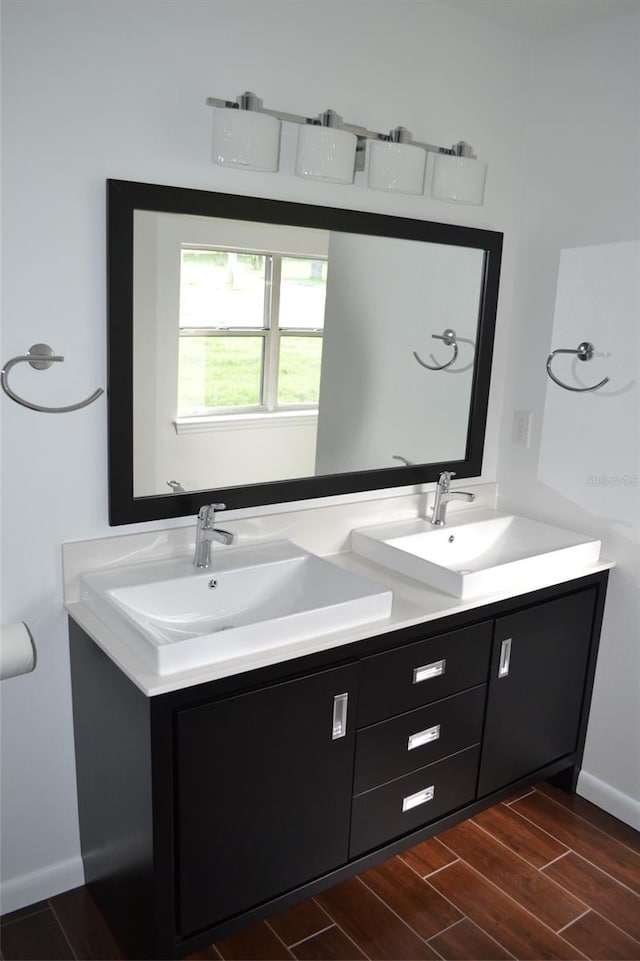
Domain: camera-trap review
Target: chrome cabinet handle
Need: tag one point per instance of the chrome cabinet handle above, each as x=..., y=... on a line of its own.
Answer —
x=423, y=737
x=420, y=797
x=505, y=657
x=428, y=671
x=339, y=727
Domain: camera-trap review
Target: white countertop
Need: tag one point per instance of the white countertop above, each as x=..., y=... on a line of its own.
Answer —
x=413, y=604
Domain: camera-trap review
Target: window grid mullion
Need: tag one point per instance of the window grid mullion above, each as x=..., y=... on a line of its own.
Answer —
x=223, y=332
x=272, y=341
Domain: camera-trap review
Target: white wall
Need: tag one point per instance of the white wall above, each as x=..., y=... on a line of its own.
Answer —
x=100, y=89
x=578, y=278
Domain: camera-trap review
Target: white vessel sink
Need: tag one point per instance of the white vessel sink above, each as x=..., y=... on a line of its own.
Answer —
x=485, y=553
x=252, y=598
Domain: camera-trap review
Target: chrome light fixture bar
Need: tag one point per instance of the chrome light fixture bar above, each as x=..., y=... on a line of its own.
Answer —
x=247, y=134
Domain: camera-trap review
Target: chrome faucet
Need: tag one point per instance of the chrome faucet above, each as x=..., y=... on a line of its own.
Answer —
x=443, y=495
x=207, y=532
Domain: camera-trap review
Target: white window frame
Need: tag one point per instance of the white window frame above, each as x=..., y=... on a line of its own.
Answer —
x=272, y=335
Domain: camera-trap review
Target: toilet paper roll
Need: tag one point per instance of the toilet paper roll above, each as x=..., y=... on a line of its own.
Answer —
x=17, y=650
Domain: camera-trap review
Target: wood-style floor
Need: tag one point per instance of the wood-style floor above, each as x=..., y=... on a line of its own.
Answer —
x=545, y=875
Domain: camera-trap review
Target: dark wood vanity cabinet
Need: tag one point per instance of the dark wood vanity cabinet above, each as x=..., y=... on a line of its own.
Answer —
x=536, y=688
x=205, y=809
x=263, y=793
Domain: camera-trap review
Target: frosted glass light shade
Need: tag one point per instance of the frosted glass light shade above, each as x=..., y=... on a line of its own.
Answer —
x=245, y=138
x=326, y=153
x=458, y=179
x=397, y=167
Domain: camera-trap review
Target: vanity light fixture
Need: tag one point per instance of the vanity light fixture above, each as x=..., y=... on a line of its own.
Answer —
x=459, y=176
x=326, y=151
x=246, y=134
x=396, y=164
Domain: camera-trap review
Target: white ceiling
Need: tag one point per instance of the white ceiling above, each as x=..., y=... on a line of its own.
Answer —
x=536, y=17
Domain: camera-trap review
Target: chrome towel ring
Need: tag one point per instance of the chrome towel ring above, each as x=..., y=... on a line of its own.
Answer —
x=40, y=357
x=450, y=339
x=584, y=351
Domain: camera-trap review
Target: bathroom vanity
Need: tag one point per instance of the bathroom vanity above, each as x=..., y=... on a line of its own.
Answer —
x=212, y=797
x=207, y=807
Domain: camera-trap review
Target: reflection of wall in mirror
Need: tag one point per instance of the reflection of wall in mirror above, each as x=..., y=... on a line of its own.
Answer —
x=385, y=298
x=217, y=454
x=597, y=300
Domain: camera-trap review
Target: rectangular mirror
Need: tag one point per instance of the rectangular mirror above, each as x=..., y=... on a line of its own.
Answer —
x=262, y=351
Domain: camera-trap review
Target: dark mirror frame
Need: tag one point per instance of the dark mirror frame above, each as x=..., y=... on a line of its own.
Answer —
x=125, y=197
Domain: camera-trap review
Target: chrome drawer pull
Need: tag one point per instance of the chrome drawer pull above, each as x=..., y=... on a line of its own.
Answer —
x=420, y=797
x=423, y=737
x=428, y=671
x=339, y=728
x=505, y=657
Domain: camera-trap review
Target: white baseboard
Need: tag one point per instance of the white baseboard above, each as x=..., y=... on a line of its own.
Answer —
x=620, y=805
x=38, y=885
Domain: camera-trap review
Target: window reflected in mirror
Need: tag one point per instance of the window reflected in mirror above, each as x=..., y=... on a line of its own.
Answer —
x=250, y=327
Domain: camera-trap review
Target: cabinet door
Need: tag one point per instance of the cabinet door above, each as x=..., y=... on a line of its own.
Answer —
x=536, y=688
x=264, y=785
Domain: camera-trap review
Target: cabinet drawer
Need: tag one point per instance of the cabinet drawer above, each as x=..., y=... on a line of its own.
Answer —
x=406, y=804
x=420, y=673
x=390, y=749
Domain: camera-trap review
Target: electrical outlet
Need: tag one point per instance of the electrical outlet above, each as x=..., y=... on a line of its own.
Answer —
x=521, y=428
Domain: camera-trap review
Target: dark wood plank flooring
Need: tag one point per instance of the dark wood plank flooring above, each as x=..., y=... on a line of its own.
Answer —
x=544, y=875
